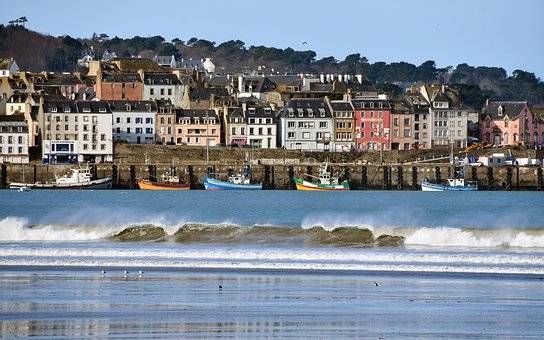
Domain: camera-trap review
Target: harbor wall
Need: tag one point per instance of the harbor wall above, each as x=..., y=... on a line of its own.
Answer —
x=274, y=176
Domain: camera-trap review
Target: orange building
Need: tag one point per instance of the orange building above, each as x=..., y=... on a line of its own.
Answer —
x=119, y=86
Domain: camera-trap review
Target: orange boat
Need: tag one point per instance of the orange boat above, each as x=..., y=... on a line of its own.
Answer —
x=168, y=182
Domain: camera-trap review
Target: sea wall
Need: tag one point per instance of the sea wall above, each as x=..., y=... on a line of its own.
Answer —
x=362, y=177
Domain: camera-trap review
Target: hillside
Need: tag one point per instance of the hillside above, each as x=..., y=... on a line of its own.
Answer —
x=36, y=52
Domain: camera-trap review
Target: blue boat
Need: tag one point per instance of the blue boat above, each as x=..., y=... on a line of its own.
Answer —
x=235, y=182
x=211, y=183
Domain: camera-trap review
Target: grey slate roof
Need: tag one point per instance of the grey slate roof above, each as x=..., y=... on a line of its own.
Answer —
x=371, y=104
x=133, y=106
x=161, y=79
x=311, y=108
x=510, y=108
x=341, y=105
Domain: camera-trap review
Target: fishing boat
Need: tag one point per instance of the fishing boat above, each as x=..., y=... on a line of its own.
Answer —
x=80, y=178
x=168, y=182
x=452, y=184
x=24, y=186
x=324, y=182
x=235, y=181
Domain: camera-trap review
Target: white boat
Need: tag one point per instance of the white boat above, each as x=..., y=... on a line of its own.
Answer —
x=452, y=184
x=80, y=178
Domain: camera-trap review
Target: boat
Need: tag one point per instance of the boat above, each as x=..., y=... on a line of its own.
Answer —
x=168, y=182
x=452, y=184
x=80, y=178
x=234, y=182
x=325, y=182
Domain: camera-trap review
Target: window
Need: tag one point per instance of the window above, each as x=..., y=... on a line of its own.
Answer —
x=102, y=146
x=269, y=131
x=162, y=92
x=85, y=146
x=151, y=92
x=103, y=137
x=305, y=135
x=291, y=125
x=138, y=130
x=148, y=130
x=66, y=127
x=233, y=131
x=149, y=120
x=10, y=149
x=406, y=121
x=291, y=135
x=322, y=125
x=10, y=139
x=118, y=120
x=251, y=132
x=138, y=120
x=169, y=92
x=128, y=130
x=118, y=130
x=20, y=150
x=128, y=120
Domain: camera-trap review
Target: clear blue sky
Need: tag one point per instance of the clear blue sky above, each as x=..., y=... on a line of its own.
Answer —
x=505, y=33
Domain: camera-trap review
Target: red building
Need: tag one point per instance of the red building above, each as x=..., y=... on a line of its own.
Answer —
x=372, y=124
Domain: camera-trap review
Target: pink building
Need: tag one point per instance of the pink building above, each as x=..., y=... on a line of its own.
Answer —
x=510, y=123
x=372, y=124
x=197, y=128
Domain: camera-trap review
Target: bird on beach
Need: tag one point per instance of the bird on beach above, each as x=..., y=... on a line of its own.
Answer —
x=103, y=272
x=126, y=272
x=141, y=273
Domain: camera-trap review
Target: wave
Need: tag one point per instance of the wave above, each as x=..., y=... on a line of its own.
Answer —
x=16, y=229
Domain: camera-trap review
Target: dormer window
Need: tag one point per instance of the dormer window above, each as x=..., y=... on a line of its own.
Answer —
x=53, y=109
x=252, y=110
x=291, y=112
x=102, y=109
x=300, y=112
x=129, y=108
x=500, y=110
x=381, y=105
x=371, y=105
x=67, y=109
x=267, y=110
x=322, y=112
x=86, y=109
x=310, y=112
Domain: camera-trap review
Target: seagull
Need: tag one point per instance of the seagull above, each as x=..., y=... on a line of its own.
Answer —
x=305, y=43
x=220, y=287
x=141, y=272
x=375, y=283
x=126, y=273
x=103, y=272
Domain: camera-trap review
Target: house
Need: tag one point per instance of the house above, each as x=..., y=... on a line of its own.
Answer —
x=162, y=86
x=13, y=139
x=344, y=124
x=449, y=116
x=236, y=128
x=257, y=87
x=119, y=86
x=197, y=128
x=166, y=61
x=420, y=107
x=165, y=123
x=508, y=123
x=8, y=67
x=372, y=123
x=134, y=121
x=64, y=84
x=75, y=131
x=27, y=105
x=202, y=65
x=306, y=124
x=537, y=113
x=261, y=125
x=402, y=126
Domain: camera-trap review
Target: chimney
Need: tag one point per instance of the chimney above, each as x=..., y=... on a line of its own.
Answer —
x=240, y=83
x=339, y=77
x=98, y=89
x=244, y=107
x=360, y=78
x=443, y=88
x=322, y=78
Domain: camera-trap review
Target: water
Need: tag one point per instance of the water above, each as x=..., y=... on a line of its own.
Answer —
x=292, y=264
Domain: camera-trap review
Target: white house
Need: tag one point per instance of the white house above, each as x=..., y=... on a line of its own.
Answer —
x=13, y=139
x=163, y=86
x=134, y=121
x=261, y=126
x=76, y=131
x=8, y=67
x=306, y=124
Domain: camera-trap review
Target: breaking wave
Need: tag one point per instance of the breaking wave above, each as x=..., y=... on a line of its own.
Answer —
x=16, y=229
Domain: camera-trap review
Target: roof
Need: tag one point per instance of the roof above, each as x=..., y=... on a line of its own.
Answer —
x=219, y=81
x=260, y=112
x=198, y=93
x=538, y=113
x=181, y=113
x=400, y=107
x=133, y=106
x=257, y=84
x=68, y=106
x=121, y=78
x=510, y=108
x=12, y=118
x=341, y=105
x=371, y=104
x=58, y=79
x=363, y=87
x=286, y=80
x=161, y=79
x=191, y=63
x=164, y=60
x=135, y=64
x=306, y=108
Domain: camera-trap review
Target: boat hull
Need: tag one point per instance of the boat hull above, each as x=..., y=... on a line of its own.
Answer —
x=436, y=187
x=146, y=184
x=304, y=185
x=216, y=184
x=98, y=184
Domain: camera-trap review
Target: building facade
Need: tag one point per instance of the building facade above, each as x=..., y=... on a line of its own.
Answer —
x=162, y=86
x=119, y=86
x=76, y=131
x=165, y=123
x=261, y=126
x=344, y=125
x=372, y=123
x=508, y=123
x=13, y=139
x=402, y=126
x=197, y=128
x=134, y=121
x=306, y=124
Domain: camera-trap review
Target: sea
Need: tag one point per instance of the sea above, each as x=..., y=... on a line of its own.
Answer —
x=271, y=264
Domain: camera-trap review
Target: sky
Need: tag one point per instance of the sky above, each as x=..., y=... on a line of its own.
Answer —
x=503, y=33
